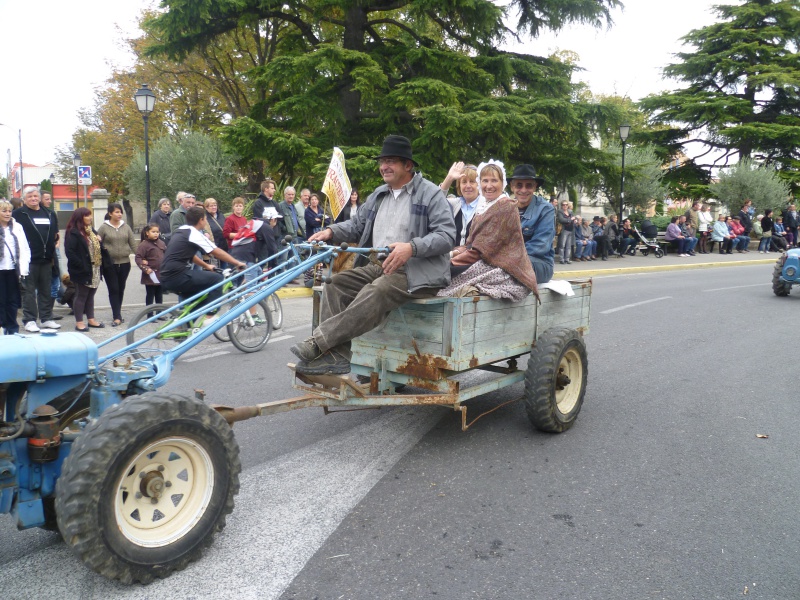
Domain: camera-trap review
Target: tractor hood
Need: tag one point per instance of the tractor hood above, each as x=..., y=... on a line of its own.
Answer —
x=45, y=356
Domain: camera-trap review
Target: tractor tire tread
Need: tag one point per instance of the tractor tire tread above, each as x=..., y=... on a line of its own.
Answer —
x=96, y=449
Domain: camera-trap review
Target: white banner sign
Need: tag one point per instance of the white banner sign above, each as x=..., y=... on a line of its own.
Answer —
x=337, y=184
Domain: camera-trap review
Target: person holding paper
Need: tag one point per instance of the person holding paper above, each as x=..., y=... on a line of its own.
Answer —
x=149, y=255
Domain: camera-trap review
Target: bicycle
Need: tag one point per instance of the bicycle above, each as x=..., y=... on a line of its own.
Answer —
x=248, y=332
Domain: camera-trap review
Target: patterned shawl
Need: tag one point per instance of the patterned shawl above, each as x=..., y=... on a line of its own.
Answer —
x=496, y=236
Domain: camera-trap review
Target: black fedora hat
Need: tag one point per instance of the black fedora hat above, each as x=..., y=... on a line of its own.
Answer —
x=397, y=145
x=526, y=172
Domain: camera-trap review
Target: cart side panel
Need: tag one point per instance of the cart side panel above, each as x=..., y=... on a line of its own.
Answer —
x=458, y=334
x=566, y=311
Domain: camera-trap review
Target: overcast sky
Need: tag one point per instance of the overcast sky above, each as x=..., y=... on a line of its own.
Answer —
x=55, y=54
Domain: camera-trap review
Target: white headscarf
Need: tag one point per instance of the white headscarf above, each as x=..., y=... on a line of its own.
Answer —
x=483, y=204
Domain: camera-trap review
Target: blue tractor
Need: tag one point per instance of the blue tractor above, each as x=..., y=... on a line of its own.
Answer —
x=786, y=272
x=136, y=480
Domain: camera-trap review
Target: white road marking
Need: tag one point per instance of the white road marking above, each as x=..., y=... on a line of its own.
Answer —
x=205, y=356
x=635, y=304
x=285, y=511
x=737, y=287
x=280, y=338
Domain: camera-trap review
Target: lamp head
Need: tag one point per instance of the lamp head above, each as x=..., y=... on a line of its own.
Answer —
x=624, y=132
x=145, y=100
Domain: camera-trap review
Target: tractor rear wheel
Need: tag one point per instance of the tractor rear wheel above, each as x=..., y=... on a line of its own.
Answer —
x=779, y=288
x=147, y=485
x=555, y=380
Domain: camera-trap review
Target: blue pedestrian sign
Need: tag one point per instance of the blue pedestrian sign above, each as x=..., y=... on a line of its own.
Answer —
x=84, y=175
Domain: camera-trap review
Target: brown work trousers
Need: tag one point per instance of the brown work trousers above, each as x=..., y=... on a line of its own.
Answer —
x=357, y=301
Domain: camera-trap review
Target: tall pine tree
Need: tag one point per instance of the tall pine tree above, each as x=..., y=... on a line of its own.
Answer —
x=742, y=88
x=349, y=72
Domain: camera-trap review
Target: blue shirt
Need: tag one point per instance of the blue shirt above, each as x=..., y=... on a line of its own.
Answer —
x=538, y=231
x=468, y=209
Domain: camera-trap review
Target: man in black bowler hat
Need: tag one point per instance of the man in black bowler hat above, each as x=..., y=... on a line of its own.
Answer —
x=411, y=216
x=538, y=220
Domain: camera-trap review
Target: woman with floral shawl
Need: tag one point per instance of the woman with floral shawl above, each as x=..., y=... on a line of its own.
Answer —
x=493, y=261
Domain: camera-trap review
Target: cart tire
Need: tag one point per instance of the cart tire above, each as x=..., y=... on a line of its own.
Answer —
x=644, y=251
x=779, y=288
x=659, y=253
x=158, y=343
x=148, y=444
x=551, y=402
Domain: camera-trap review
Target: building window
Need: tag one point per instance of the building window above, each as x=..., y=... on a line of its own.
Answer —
x=65, y=206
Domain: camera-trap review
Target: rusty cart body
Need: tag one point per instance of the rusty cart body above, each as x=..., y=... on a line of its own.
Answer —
x=419, y=354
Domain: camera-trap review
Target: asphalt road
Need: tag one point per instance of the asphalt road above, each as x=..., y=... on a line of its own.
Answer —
x=662, y=489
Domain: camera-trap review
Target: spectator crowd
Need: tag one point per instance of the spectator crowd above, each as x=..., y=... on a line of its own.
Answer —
x=30, y=244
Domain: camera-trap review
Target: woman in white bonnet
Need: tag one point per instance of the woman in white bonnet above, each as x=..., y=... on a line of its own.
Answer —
x=493, y=261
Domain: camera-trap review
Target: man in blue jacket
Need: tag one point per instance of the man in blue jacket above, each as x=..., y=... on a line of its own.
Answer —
x=411, y=216
x=538, y=221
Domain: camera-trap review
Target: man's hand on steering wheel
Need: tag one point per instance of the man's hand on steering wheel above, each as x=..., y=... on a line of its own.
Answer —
x=399, y=255
x=322, y=236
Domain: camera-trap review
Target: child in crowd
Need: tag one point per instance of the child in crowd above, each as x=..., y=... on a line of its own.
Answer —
x=149, y=255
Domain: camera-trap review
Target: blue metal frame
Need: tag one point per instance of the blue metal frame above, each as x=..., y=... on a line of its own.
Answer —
x=23, y=482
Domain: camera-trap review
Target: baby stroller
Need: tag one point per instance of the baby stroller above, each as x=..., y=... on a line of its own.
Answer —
x=648, y=239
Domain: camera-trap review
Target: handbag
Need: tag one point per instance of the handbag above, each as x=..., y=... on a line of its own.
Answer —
x=106, y=256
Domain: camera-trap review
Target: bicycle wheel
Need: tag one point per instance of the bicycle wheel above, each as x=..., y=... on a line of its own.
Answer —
x=222, y=333
x=277, y=310
x=250, y=333
x=163, y=341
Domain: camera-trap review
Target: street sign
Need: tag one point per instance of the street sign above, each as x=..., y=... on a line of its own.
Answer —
x=84, y=175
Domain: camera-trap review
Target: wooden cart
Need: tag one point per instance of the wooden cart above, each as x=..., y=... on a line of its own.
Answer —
x=417, y=355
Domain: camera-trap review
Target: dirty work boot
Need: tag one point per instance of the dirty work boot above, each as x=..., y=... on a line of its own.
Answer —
x=330, y=363
x=307, y=350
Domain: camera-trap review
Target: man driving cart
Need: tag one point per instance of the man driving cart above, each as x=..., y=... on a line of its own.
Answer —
x=409, y=215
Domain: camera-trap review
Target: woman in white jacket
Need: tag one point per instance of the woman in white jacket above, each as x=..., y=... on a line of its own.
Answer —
x=15, y=260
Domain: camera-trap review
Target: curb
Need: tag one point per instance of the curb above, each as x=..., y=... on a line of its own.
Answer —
x=294, y=292
x=656, y=268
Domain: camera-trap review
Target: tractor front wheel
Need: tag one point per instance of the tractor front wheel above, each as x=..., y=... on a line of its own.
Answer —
x=779, y=287
x=147, y=485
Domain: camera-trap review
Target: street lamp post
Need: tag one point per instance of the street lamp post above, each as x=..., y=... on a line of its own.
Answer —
x=21, y=171
x=76, y=160
x=624, y=131
x=145, y=102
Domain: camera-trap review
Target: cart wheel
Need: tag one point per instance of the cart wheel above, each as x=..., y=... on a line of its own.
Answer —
x=645, y=251
x=252, y=334
x=555, y=380
x=147, y=486
x=779, y=288
x=276, y=308
x=659, y=253
x=163, y=341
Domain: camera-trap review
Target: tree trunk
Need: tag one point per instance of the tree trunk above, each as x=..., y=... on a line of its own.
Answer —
x=350, y=99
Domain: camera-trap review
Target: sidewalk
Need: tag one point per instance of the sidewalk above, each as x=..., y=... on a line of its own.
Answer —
x=650, y=264
x=134, y=292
